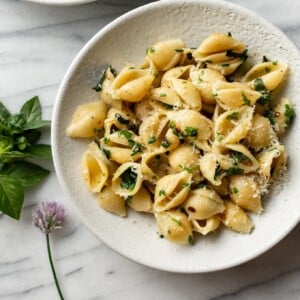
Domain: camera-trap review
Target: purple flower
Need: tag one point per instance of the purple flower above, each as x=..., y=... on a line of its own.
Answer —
x=48, y=216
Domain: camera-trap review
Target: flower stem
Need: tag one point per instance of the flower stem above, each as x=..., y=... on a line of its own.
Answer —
x=52, y=267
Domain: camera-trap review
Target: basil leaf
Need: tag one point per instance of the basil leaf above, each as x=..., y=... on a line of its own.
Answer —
x=27, y=173
x=36, y=124
x=4, y=113
x=40, y=151
x=31, y=110
x=32, y=136
x=11, y=196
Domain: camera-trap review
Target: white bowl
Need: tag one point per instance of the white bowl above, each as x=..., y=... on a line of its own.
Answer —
x=126, y=39
x=61, y=2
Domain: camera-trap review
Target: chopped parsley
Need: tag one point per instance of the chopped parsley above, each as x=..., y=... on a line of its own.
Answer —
x=265, y=94
x=191, y=240
x=246, y=100
x=98, y=87
x=178, y=222
x=275, y=63
x=106, y=152
x=126, y=133
x=267, y=70
x=200, y=76
x=238, y=157
x=162, y=193
x=167, y=106
x=225, y=65
x=106, y=140
x=185, y=184
x=198, y=185
x=235, y=190
x=128, y=179
x=259, y=84
x=152, y=140
x=135, y=147
x=190, y=131
x=160, y=235
x=234, y=171
x=289, y=113
x=165, y=143
x=162, y=95
x=243, y=56
x=128, y=199
x=179, y=50
x=233, y=116
x=270, y=116
x=208, y=61
x=229, y=33
x=150, y=50
x=121, y=119
x=265, y=59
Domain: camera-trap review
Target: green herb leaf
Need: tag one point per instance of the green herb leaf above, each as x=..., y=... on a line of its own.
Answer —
x=11, y=196
x=99, y=85
x=259, y=84
x=270, y=116
x=234, y=171
x=289, y=113
x=27, y=173
x=190, y=131
x=191, y=240
x=233, y=116
x=106, y=152
x=41, y=151
x=165, y=143
x=152, y=140
x=4, y=112
x=246, y=100
x=265, y=59
x=178, y=50
x=121, y=119
x=235, y=190
x=126, y=133
x=36, y=124
x=128, y=179
x=162, y=193
x=31, y=110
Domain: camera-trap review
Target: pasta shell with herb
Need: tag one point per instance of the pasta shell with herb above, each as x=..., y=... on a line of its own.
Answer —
x=221, y=52
x=245, y=192
x=165, y=99
x=171, y=191
x=203, y=80
x=236, y=218
x=141, y=201
x=232, y=95
x=177, y=73
x=174, y=226
x=94, y=171
x=166, y=54
x=206, y=226
x=133, y=83
x=127, y=179
x=111, y=202
x=87, y=119
x=266, y=76
x=234, y=125
x=203, y=203
x=208, y=166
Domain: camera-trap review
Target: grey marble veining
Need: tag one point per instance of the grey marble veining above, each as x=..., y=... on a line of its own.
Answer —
x=37, y=44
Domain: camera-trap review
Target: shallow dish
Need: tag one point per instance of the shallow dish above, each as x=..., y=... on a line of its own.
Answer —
x=126, y=39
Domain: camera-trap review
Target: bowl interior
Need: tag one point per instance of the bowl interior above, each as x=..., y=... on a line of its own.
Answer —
x=125, y=40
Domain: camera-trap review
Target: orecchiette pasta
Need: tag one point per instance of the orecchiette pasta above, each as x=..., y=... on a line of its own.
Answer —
x=176, y=138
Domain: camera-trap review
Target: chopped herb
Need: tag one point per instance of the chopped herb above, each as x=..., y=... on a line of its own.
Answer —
x=289, y=113
x=208, y=61
x=179, y=50
x=106, y=140
x=200, y=76
x=267, y=70
x=270, y=116
x=162, y=193
x=234, y=171
x=189, y=169
x=225, y=65
x=165, y=143
x=189, y=56
x=190, y=131
x=175, y=220
x=265, y=59
x=215, y=94
x=169, y=231
x=162, y=95
x=275, y=63
x=233, y=116
x=265, y=94
x=152, y=140
x=185, y=184
x=229, y=33
x=121, y=119
x=243, y=56
x=219, y=137
x=126, y=133
x=99, y=85
x=135, y=147
x=106, y=152
x=259, y=84
x=150, y=50
x=235, y=190
x=238, y=157
x=198, y=185
x=128, y=199
x=167, y=106
x=160, y=235
x=219, y=171
x=246, y=100
x=128, y=179
x=191, y=240
x=131, y=68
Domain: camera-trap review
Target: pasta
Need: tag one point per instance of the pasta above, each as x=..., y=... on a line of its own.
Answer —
x=177, y=138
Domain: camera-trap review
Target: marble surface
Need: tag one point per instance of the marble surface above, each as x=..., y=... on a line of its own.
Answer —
x=37, y=44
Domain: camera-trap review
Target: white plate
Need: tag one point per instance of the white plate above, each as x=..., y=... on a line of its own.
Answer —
x=126, y=39
x=61, y=2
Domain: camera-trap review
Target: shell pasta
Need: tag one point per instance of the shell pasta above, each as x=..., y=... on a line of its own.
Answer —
x=181, y=138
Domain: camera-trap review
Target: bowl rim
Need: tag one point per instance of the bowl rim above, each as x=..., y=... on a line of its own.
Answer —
x=63, y=88
x=61, y=2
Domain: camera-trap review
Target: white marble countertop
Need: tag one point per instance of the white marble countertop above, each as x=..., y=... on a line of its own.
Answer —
x=37, y=44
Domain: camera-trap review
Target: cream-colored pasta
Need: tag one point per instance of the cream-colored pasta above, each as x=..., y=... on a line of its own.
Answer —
x=133, y=83
x=221, y=52
x=206, y=226
x=203, y=80
x=234, y=125
x=260, y=134
x=282, y=116
x=236, y=218
x=203, y=203
x=112, y=202
x=122, y=146
x=94, y=171
x=171, y=191
x=245, y=192
x=166, y=54
x=174, y=138
x=141, y=201
x=232, y=95
x=127, y=179
x=266, y=76
x=87, y=119
x=174, y=226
